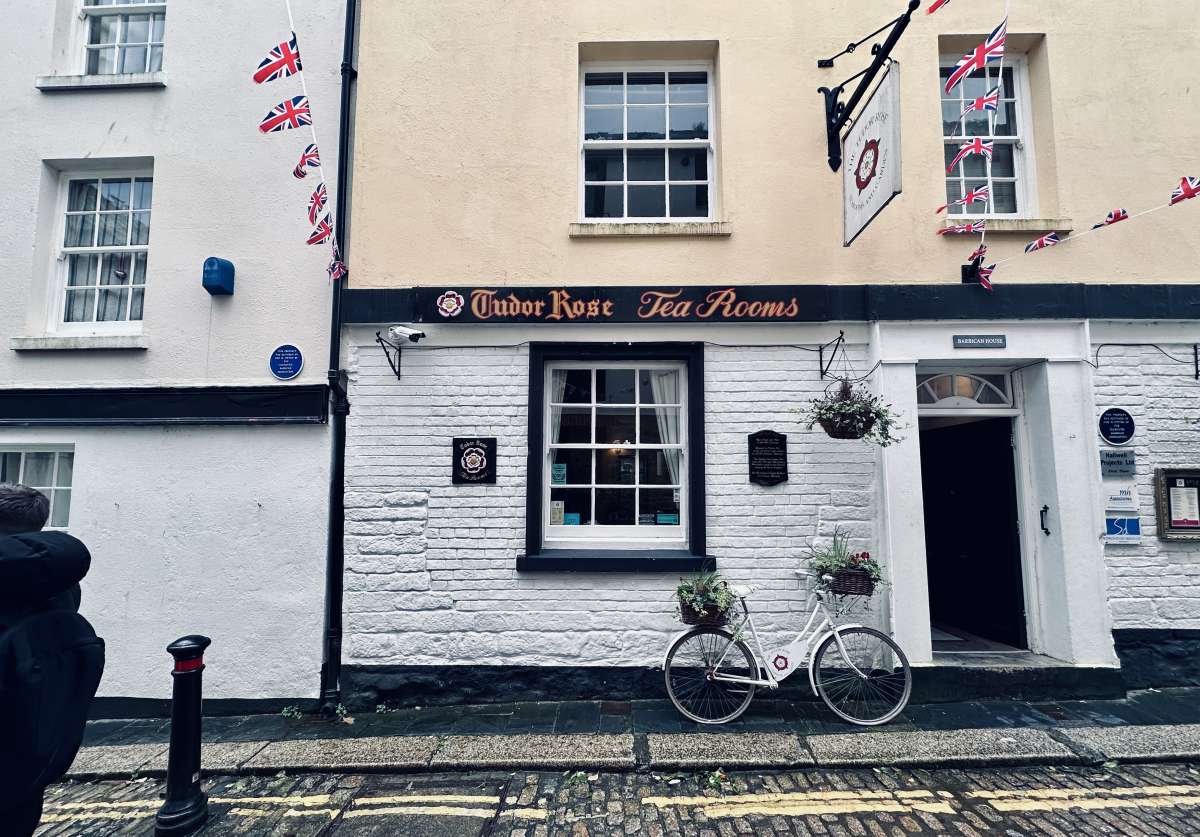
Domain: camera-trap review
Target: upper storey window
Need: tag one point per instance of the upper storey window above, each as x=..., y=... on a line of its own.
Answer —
x=124, y=36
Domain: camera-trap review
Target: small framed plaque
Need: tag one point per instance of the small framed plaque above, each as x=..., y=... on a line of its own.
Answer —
x=1177, y=503
x=474, y=461
x=768, y=457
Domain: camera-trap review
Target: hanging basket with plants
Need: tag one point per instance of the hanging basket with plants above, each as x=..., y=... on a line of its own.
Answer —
x=841, y=571
x=849, y=412
x=704, y=599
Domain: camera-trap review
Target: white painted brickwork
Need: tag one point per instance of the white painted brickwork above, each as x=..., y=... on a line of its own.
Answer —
x=1155, y=584
x=431, y=575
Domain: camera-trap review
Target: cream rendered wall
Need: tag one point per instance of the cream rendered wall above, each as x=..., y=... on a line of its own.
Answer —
x=466, y=152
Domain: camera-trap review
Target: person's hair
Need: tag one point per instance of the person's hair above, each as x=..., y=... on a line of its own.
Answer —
x=22, y=509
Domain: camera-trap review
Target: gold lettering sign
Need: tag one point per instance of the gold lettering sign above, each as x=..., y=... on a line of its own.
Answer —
x=561, y=305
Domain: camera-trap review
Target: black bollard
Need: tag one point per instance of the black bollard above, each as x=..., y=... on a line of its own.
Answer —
x=186, y=805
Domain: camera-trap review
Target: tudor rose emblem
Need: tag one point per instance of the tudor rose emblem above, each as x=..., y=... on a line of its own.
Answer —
x=474, y=460
x=780, y=662
x=450, y=304
x=868, y=165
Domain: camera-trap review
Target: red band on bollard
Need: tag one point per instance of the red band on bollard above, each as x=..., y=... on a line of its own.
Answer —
x=189, y=665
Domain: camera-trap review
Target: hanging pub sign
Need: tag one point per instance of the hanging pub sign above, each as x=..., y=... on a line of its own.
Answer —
x=871, y=150
x=688, y=304
x=1177, y=503
x=768, y=457
x=474, y=461
x=1116, y=426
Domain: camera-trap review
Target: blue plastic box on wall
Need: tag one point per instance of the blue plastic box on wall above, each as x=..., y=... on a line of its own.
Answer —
x=218, y=276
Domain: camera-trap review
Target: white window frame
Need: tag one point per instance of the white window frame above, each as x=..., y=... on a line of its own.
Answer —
x=1024, y=169
x=956, y=405
x=710, y=144
x=86, y=13
x=23, y=450
x=55, y=322
x=592, y=536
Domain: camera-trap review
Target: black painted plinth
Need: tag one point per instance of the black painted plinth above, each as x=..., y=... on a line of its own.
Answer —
x=1157, y=657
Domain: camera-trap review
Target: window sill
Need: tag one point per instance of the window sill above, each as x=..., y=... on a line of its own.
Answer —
x=614, y=561
x=1017, y=225
x=116, y=81
x=606, y=229
x=58, y=343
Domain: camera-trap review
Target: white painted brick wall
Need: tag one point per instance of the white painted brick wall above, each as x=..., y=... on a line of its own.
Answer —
x=430, y=566
x=1155, y=584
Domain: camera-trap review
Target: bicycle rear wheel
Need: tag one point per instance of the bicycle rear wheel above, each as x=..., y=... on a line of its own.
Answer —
x=870, y=683
x=691, y=663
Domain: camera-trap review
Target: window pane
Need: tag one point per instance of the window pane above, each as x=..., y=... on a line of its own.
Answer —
x=133, y=59
x=135, y=304
x=141, y=228
x=976, y=207
x=112, y=305
x=66, y=467
x=10, y=467
x=114, y=229
x=103, y=30
x=1004, y=197
x=646, y=164
x=953, y=193
x=689, y=163
x=114, y=269
x=571, y=386
x=157, y=24
x=570, y=425
x=81, y=196
x=155, y=59
x=647, y=122
x=137, y=29
x=975, y=124
x=81, y=231
x=603, y=165
x=615, y=425
x=139, y=269
x=60, y=509
x=614, y=386
x=79, y=306
x=659, y=507
x=659, y=386
x=951, y=124
x=647, y=88
x=576, y=506
x=1008, y=88
x=603, y=201
x=602, y=89
x=114, y=194
x=574, y=467
x=101, y=62
x=660, y=426
x=39, y=470
x=81, y=270
x=974, y=165
x=614, y=506
x=603, y=124
x=1002, y=160
x=689, y=201
x=974, y=86
x=689, y=87
x=615, y=466
x=647, y=201
x=689, y=122
x=658, y=467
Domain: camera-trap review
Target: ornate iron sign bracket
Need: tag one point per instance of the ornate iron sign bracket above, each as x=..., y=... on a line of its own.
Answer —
x=838, y=113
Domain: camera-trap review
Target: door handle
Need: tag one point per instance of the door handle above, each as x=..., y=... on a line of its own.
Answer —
x=1043, y=514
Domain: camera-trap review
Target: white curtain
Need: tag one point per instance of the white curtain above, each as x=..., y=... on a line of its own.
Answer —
x=558, y=388
x=665, y=385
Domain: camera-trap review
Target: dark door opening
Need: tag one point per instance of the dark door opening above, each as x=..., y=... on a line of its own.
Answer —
x=972, y=546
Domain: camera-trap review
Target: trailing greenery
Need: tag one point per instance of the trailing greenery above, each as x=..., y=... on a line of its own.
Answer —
x=828, y=559
x=704, y=591
x=858, y=411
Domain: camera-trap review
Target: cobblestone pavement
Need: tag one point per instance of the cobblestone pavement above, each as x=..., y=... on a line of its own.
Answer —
x=1130, y=799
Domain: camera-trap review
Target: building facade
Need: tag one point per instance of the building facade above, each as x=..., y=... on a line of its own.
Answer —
x=141, y=403
x=617, y=232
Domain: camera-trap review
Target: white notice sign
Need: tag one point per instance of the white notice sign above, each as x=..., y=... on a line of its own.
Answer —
x=871, y=158
x=1121, y=496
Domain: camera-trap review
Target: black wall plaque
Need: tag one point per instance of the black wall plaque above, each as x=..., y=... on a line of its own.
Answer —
x=768, y=457
x=474, y=461
x=1116, y=426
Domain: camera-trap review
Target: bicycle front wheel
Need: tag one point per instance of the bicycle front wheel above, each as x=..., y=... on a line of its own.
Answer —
x=693, y=663
x=867, y=683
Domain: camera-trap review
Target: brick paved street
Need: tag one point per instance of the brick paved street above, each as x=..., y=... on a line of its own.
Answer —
x=1132, y=799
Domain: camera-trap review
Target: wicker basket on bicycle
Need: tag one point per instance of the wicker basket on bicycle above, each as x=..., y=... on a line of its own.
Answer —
x=710, y=615
x=851, y=582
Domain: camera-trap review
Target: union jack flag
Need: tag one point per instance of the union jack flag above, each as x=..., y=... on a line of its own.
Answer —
x=290, y=113
x=310, y=159
x=935, y=5
x=282, y=61
x=990, y=50
x=322, y=232
x=960, y=229
x=1047, y=240
x=337, y=269
x=975, y=146
x=979, y=253
x=317, y=202
x=991, y=102
x=985, y=276
x=1113, y=217
x=1188, y=188
x=979, y=195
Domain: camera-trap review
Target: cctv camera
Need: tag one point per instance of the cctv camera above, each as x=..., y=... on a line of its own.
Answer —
x=399, y=333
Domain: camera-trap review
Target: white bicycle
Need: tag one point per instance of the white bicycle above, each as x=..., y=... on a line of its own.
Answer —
x=860, y=673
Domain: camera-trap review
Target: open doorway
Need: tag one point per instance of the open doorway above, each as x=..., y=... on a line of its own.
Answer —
x=972, y=542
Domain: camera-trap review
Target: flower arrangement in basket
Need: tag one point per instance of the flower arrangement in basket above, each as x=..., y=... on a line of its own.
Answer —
x=704, y=599
x=849, y=412
x=853, y=573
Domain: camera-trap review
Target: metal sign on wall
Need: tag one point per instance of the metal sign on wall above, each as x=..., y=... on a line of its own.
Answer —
x=871, y=150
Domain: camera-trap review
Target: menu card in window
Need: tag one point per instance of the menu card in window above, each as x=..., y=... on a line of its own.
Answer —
x=1184, y=504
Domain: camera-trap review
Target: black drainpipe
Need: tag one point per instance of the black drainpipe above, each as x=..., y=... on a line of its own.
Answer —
x=335, y=554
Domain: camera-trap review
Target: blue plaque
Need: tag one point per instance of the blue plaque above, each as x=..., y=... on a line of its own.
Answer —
x=286, y=362
x=1116, y=426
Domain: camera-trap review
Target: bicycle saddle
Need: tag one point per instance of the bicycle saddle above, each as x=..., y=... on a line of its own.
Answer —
x=741, y=590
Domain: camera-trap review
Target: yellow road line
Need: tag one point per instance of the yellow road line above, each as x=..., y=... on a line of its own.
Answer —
x=291, y=812
x=132, y=803
x=797, y=809
x=444, y=811
x=96, y=815
x=314, y=799
x=797, y=796
x=1074, y=793
x=1094, y=804
x=428, y=797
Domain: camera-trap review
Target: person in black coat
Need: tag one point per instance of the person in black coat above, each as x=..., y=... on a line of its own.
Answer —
x=39, y=571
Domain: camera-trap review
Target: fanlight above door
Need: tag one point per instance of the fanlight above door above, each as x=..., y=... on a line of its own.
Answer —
x=962, y=391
